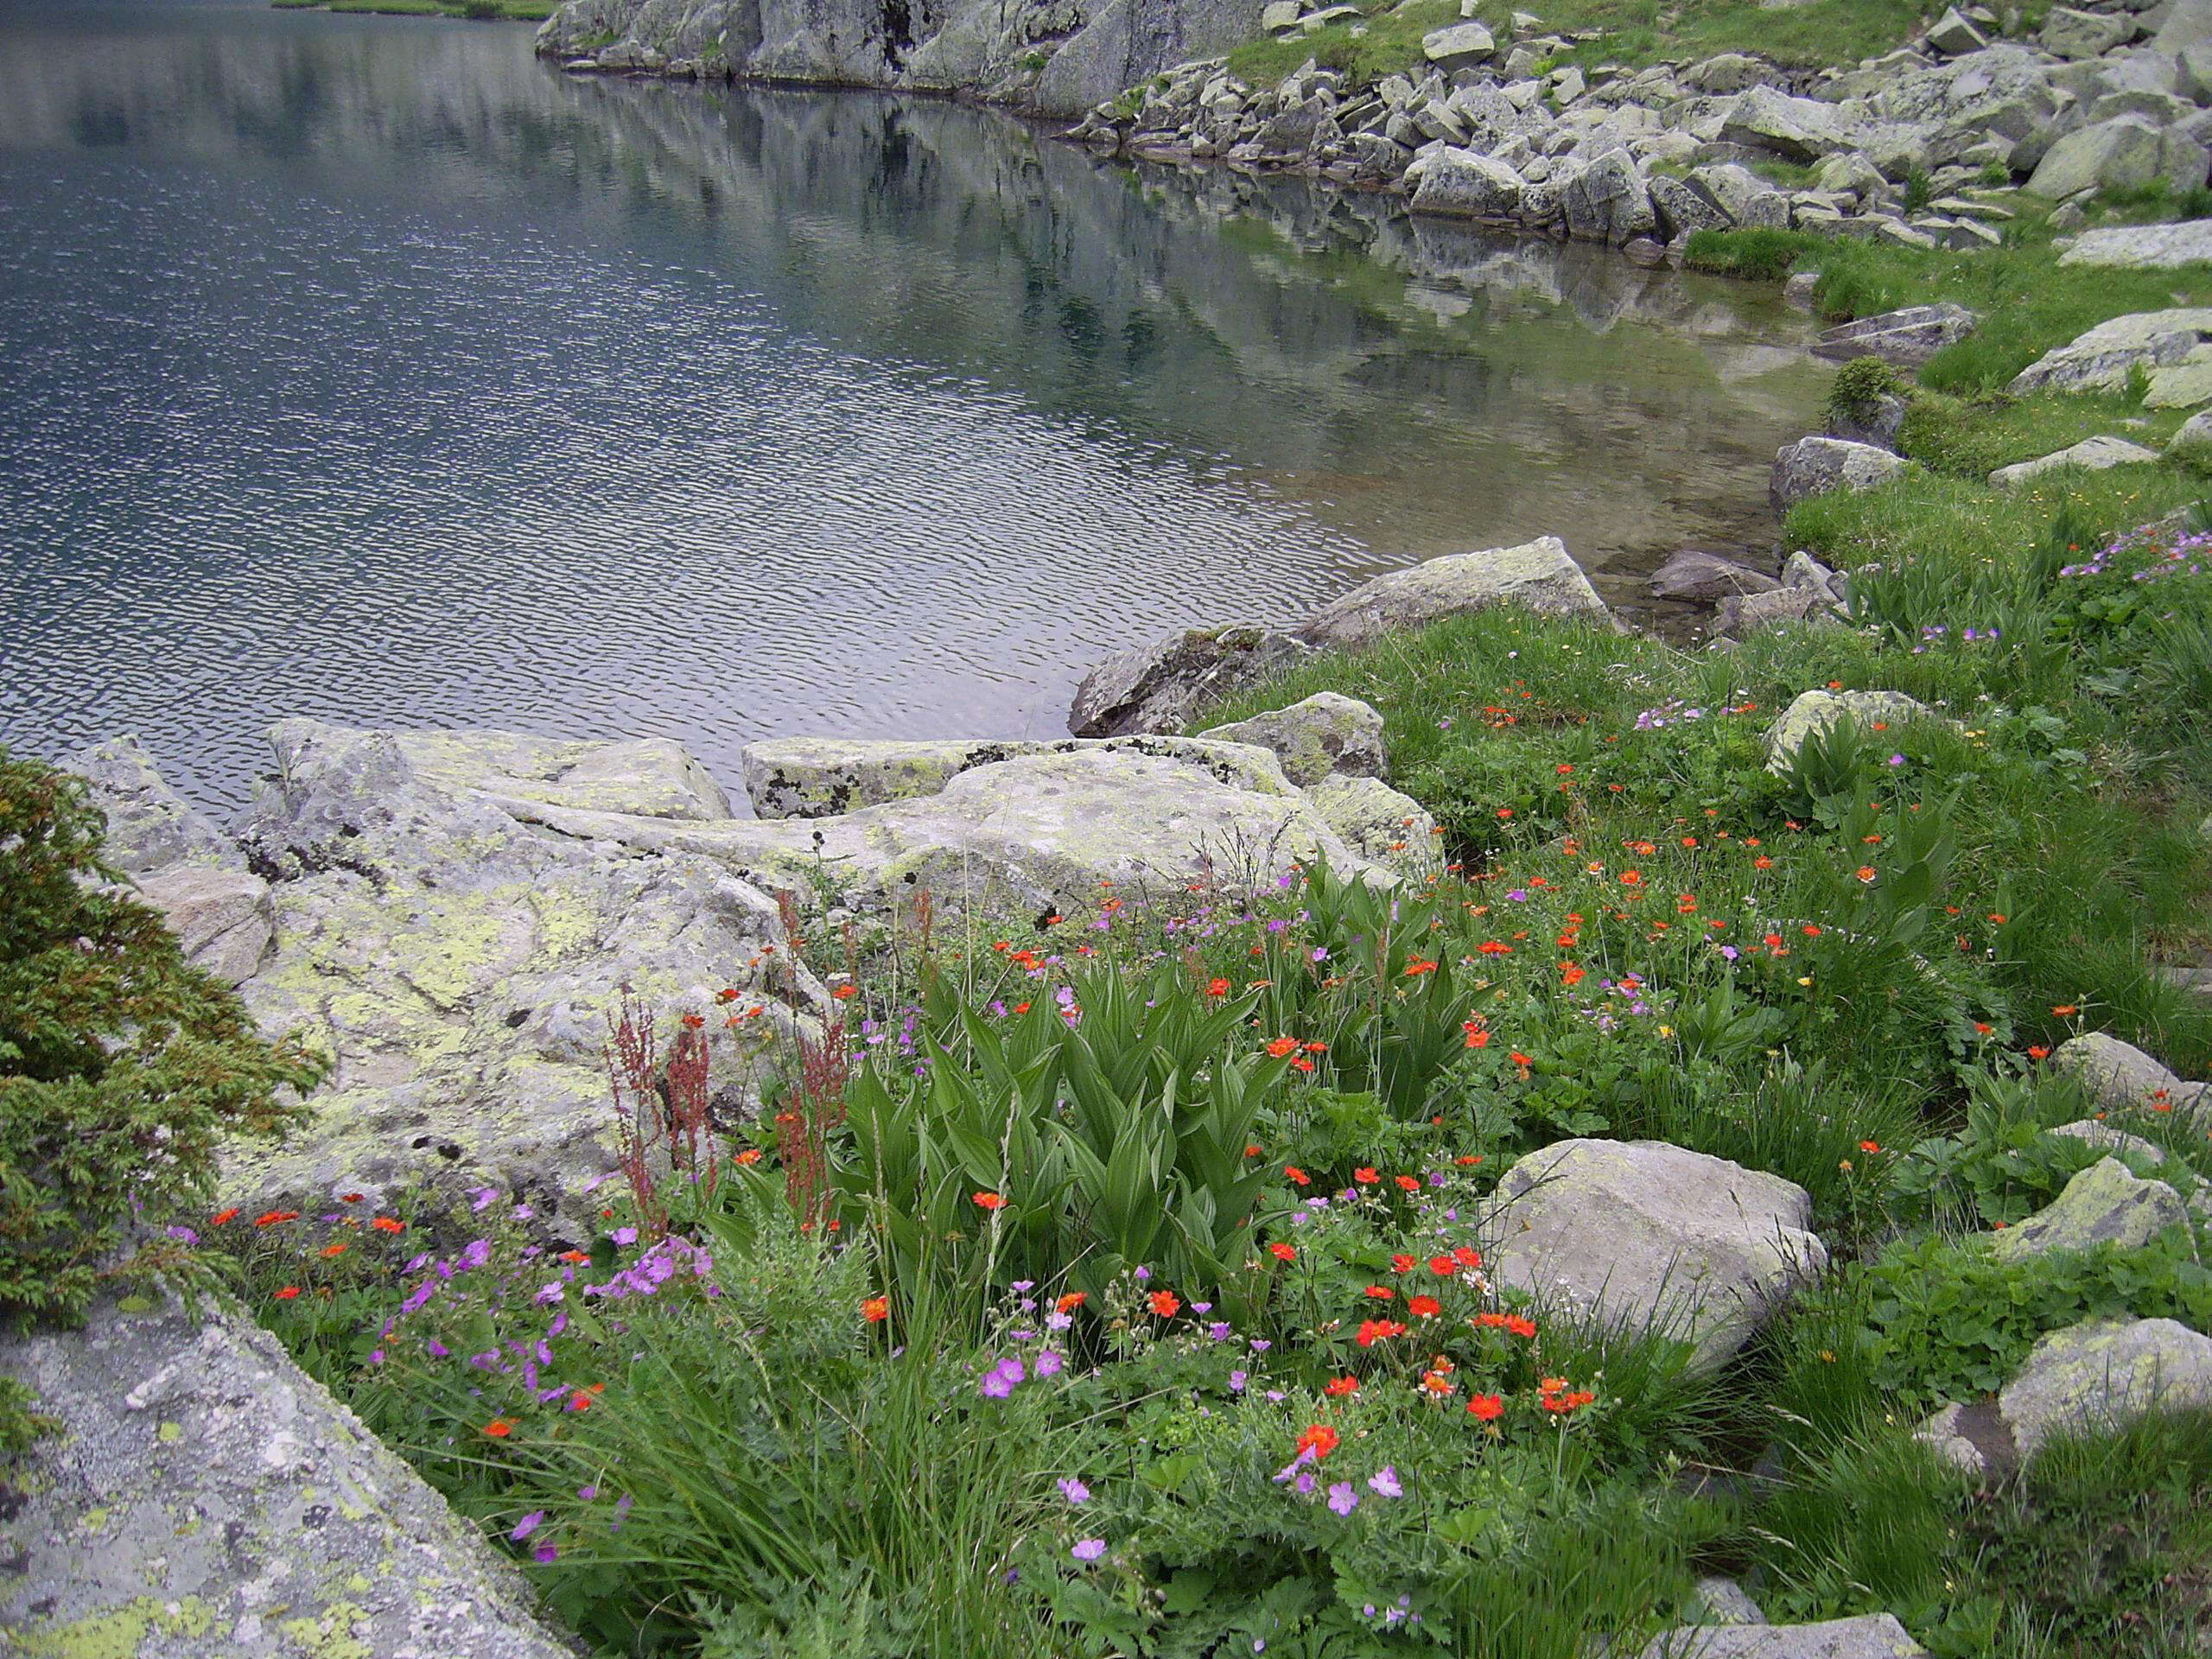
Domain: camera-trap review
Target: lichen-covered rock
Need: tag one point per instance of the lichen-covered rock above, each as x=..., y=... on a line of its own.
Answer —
x=1815, y=711
x=2121, y=1077
x=2091, y=455
x=1466, y=185
x=1537, y=575
x=2192, y=445
x=1379, y=823
x=221, y=918
x=1799, y=129
x=2106, y=1204
x=1315, y=738
x=2073, y=33
x=2142, y=247
x=2103, y=1374
x=1607, y=201
x=208, y=1499
x=1871, y=1636
x=2105, y=1138
x=1159, y=687
x=1907, y=338
x=1648, y=1236
x=149, y=826
x=1815, y=466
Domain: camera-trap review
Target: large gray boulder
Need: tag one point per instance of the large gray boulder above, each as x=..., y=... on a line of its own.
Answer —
x=1647, y=1236
x=1907, y=338
x=2094, y=454
x=2144, y=247
x=2106, y=1204
x=2102, y=359
x=1815, y=466
x=1683, y=209
x=1817, y=711
x=1800, y=129
x=1869, y=1635
x=1315, y=738
x=2192, y=445
x=1537, y=575
x=2075, y=34
x=2116, y=154
x=1378, y=823
x=1607, y=201
x=1461, y=183
x=2121, y=1077
x=1159, y=687
x=149, y=826
x=208, y=1499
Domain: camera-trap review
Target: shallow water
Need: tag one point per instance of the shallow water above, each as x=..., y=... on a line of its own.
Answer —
x=367, y=368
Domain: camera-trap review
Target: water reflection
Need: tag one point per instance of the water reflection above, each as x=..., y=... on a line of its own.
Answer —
x=365, y=367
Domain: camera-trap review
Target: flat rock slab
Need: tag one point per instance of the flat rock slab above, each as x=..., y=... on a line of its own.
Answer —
x=2092, y=454
x=1650, y=1237
x=1873, y=1636
x=2103, y=358
x=1537, y=575
x=208, y=1499
x=2144, y=247
x=1907, y=338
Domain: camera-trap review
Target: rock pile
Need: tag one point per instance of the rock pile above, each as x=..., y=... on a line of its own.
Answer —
x=1919, y=147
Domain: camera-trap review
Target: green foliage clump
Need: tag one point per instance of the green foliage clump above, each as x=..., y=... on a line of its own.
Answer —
x=122, y=1067
x=1860, y=385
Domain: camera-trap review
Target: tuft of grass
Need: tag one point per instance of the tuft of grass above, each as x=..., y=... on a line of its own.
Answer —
x=1759, y=255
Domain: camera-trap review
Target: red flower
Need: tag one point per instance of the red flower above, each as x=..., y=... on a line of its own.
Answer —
x=1415, y=969
x=1072, y=1301
x=750, y=1156
x=1380, y=1292
x=230, y=1214
x=1365, y=1177
x=843, y=992
x=1517, y=1326
x=1338, y=1387
x=1465, y=1256
x=1373, y=1330
x=1402, y=1263
x=1282, y=1252
x=1320, y=1438
x=1283, y=1046
x=2038, y=1053
x=1292, y=1173
x=270, y=1218
x=498, y=1428
x=990, y=1201
x=1217, y=988
x=1408, y=1183
x=876, y=1309
x=287, y=1292
x=1869, y=1145
x=349, y=1198
x=1477, y=1037
x=1442, y=1265
x=1167, y=1303
x=388, y=1224
x=1486, y=1407
x=1424, y=1307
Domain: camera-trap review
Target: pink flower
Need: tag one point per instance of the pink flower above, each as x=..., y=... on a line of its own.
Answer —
x=1088, y=1550
x=1342, y=1498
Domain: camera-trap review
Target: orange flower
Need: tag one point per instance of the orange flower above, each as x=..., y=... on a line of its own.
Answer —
x=1072, y=1301
x=329, y=1250
x=1442, y=1265
x=498, y=1428
x=1292, y=1173
x=272, y=1218
x=231, y=1214
x=1436, y=1382
x=1477, y=1037
x=1320, y=1438
x=1486, y=1407
x=1466, y=1256
x=349, y=1198
x=1380, y=1292
x=1373, y=1330
x=1869, y=1145
x=1865, y=871
x=1365, y=1177
x=1413, y=970
x=1282, y=1252
x=1400, y=1261
x=1167, y=1303
x=1572, y=974
x=1283, y=1046
x=876, y=1309
x=1217, y=988
x=1424, y=1307
x=388, y=1224
x=2037, y=1051
x=990, y=1201
x=287, y=1292
x=1762, y=862
x=1255, y=1151
x=1338, y=1387
x=1517, y=1326
x=2064, y=1008
x=750, y=1156
x=845, y=992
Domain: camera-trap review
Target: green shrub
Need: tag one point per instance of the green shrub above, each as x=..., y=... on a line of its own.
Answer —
x=1856, y=393
x=122, y=1067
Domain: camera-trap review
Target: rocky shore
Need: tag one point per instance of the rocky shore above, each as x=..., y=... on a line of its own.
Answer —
x=1921, y=147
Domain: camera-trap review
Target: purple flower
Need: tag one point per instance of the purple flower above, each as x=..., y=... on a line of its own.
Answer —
x=1303, y=1483
x=587, y=1493
x=1342, y=1498
x=1236, y=1382
x=480, y=1197
x=1219, y=1330
x=1049, y=1364
x=438, y=1349
x=1384, y=1482
x=626, y=1235
x=1088, y=1550
x=185, y=1234
x=527, y=1525
x=1074, y=1490
x=545, y=1553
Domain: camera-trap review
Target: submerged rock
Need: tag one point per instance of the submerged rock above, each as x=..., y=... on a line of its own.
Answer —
x=208, y=1499
x=1316, y=738
x=1647, y=1236
x=1538, y=576
x=1706, y=577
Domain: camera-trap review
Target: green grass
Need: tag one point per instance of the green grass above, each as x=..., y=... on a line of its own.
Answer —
x=1386, y=41
x=1639, y=32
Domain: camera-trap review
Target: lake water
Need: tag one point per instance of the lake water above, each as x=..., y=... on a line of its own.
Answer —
x=368, y=368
